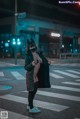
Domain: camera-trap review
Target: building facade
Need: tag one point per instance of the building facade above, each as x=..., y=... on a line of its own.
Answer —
x=40, y=30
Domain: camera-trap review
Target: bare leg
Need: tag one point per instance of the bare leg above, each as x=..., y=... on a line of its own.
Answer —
x=36, y=69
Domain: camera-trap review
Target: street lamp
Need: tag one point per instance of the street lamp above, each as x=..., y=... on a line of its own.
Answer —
x=8, y=41
x=62, y=46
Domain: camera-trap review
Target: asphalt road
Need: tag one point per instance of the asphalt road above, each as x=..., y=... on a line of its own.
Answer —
x=61, y=101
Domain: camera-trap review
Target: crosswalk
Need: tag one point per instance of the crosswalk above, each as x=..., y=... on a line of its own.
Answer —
x=68, y=74
x=42, y=104
x=56, y=74
x=17, y=75
x=51, y=106
x=71, y=93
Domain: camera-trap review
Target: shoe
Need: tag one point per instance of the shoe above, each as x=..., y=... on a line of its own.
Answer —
x=28, y=107
x=34, y=110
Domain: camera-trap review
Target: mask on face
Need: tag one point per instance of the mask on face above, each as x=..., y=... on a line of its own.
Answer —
x=33, y=49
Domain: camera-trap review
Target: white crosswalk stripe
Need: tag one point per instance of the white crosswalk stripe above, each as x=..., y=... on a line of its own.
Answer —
x=42, y=104
x=17, y=75
x=65, y=73
x=72, y=71
x=72, y=83
x=57, y=95
x=1, y=74
x=55, y=75
x=78, y=80
x=65, y=88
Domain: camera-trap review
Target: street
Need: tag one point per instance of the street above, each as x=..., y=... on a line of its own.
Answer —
x=61, y=101
x=33, y=34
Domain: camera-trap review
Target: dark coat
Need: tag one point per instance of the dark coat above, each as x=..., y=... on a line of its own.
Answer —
x=43, y=73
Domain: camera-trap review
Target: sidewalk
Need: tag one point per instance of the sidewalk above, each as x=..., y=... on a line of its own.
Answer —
x=11, y=62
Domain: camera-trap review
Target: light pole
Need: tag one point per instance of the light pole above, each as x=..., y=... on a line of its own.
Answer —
x=15, y=30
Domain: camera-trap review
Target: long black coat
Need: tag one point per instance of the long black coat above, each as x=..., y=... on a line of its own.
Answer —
x=43, y=73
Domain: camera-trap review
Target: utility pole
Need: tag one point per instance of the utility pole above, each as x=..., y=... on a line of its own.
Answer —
x=15, y=30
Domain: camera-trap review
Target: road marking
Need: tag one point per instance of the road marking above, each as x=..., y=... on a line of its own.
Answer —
x=65, y=88
x=13, y=115
x=72, y=71
x=65, y=73
x=78, y=80
x=42, y=104
x=17, y=75
x=57, y=95
x=72, y=83
x=1, y=74
x=55, y=75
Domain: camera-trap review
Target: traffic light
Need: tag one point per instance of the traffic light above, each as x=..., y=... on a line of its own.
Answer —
x=14, y=41
x=18, y=41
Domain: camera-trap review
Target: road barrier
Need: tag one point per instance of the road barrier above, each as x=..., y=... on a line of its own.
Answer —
x=70, y=56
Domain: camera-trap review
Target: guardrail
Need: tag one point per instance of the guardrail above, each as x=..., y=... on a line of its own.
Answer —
x=69, y=55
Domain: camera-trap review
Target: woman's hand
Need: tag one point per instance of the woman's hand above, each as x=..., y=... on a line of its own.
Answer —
x=33, y=63
x=49, y=61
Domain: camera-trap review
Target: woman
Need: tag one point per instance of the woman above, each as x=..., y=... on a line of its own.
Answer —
x=37, y=75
